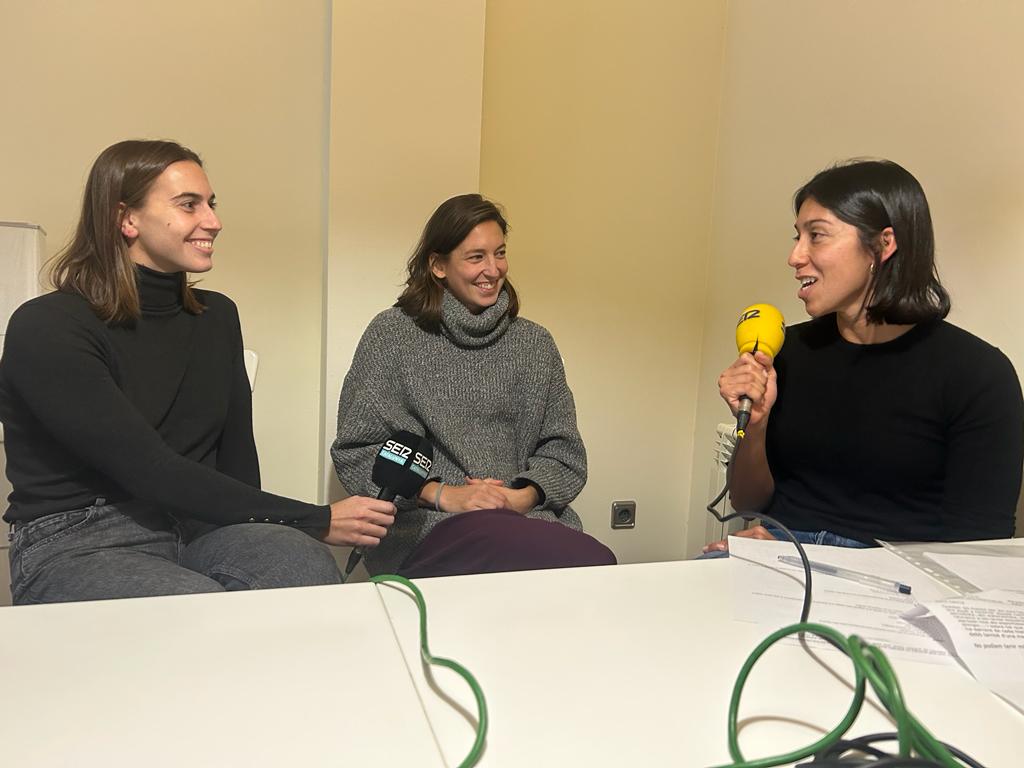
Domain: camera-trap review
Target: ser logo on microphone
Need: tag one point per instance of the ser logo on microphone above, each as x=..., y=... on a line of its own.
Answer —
x=421, y=465
x=760, y=328
x=399, y=453
x=395, y=451
x=749, y=314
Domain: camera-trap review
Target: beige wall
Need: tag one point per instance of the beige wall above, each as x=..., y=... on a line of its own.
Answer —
x=646, y=157
x=599, y=132
x=405, y=136
x=933, y=85
x=241, y=82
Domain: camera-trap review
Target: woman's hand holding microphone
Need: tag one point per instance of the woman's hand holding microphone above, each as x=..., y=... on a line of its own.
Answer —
x=751, y=376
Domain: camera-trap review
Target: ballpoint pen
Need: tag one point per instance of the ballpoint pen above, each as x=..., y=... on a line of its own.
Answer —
x=868, y=579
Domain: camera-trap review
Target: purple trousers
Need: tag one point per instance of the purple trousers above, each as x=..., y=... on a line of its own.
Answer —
x=494, y=540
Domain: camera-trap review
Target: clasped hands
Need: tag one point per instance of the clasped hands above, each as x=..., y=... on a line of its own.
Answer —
x=360, y=521
x=481, y=493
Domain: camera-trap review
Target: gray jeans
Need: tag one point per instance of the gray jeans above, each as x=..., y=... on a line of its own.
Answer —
x=132, y=550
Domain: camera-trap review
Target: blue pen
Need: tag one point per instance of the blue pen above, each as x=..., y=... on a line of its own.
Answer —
x=868, y=579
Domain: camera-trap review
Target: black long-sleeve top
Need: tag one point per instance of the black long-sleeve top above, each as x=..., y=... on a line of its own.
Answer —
x=159, y=411
x=917, y=439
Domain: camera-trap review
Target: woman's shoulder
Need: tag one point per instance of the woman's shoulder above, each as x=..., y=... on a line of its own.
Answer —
x=59, y=326
x=220, y=316
x=51, y=311
x=392, y=317
x=389, y=330
x=533, y=337
x=218, y=303
x=531, y=331
x=392, y=325
x=947, y=332
x=960, y=349
x=388, y=341
x=976, y=374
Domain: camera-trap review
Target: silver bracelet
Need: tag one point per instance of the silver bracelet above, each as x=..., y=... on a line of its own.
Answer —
x=437, y=496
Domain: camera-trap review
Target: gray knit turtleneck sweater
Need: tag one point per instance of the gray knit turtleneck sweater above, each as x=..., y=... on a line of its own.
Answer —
x=489, y=393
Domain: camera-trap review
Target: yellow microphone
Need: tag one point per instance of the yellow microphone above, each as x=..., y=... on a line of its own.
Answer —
x=760, y=329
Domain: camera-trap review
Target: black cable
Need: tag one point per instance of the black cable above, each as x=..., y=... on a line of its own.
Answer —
x=834, y=756
x=806, y=609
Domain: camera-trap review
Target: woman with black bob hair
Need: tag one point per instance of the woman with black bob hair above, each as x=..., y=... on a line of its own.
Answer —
x=878, y=419
x=128, y=417
x=453, y=361
x=876, y=196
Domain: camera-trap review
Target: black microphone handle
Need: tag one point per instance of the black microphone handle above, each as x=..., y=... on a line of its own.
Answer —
x=385, y=494
x=743, y=415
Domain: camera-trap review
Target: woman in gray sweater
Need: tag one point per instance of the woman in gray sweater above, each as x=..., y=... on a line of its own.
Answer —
x=452, y=360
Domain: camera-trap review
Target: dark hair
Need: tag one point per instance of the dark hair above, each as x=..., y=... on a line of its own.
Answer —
x=448, y=226
x=872, y=195
x=95, y=264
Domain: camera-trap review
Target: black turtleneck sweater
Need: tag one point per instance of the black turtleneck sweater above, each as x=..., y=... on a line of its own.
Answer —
x=158, y=411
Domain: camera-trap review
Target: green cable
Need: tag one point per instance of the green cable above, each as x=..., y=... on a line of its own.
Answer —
x=869, y=665
x=481, y=705
x=912, y=735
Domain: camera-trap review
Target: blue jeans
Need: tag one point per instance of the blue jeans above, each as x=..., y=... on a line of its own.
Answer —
x=133, y=550
x=817, y=537
x=804, y=537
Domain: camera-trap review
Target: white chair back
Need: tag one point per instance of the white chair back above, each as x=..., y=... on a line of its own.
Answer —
x=252, y=362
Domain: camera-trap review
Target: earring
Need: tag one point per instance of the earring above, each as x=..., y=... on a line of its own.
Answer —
x=871, y=269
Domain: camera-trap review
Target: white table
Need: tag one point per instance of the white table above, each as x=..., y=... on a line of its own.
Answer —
x=628, y=665
x=634, y=665
x=290, y=677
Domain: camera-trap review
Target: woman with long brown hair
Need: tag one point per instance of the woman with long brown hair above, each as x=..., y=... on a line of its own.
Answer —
x=454, y=361
x=127, y=412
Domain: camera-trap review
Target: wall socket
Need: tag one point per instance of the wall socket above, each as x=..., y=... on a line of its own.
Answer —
x=623, y=514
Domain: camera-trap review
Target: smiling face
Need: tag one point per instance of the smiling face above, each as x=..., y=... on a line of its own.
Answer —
x=475, y=270
x=174, y=229
x=833, y=266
